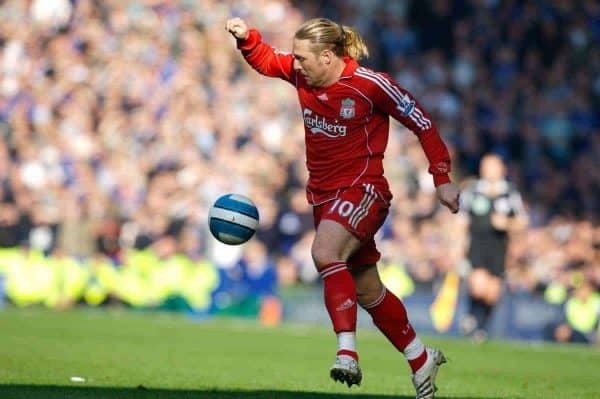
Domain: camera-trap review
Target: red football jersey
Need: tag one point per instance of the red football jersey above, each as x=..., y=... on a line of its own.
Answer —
x=347, y=124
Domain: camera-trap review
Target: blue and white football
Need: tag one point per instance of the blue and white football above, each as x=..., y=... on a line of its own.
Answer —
x=233, y=219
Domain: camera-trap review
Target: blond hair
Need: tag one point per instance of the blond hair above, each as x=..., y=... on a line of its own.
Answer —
x=326, y=34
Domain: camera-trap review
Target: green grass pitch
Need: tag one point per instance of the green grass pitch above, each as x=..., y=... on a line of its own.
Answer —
x=123, y=355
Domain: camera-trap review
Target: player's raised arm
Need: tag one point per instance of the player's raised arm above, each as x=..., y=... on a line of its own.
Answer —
x=262, y=57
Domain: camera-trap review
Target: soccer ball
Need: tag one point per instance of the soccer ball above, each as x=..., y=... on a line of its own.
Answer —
x=233, y=219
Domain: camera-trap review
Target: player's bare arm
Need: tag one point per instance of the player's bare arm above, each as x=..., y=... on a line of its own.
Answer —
x=238, y=28
x=448, y=195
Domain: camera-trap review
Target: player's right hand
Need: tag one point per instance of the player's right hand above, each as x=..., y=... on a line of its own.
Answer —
x=449, y=194
x=238, y=28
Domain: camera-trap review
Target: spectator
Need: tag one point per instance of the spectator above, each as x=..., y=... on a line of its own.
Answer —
x=581, y=316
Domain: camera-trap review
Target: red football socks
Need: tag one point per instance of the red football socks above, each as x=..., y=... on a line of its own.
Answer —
x=340, y=296
x=419, y=361
x=389, y=315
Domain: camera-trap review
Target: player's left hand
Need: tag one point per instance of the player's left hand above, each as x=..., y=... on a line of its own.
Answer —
x=448, y=194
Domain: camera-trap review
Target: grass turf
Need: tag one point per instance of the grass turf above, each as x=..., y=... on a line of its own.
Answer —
x=126, y=355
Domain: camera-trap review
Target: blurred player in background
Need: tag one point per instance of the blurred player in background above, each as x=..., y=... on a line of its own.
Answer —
x=346, y=110
x=495, y=208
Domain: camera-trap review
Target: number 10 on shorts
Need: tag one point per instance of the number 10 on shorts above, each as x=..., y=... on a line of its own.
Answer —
x=359, y=210
x=344, y=208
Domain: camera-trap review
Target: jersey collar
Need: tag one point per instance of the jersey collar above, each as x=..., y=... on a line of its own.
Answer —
x=351, y=66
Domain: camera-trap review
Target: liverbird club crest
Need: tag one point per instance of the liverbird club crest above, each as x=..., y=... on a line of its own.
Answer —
x=347, y=111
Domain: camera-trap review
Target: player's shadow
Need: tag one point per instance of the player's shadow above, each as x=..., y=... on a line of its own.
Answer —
x=69, y=392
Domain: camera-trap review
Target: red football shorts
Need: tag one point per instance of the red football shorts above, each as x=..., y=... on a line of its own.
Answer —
x=362, y=211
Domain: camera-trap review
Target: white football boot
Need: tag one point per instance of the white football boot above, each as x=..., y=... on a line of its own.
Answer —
x=346, y=370
x=424, y=378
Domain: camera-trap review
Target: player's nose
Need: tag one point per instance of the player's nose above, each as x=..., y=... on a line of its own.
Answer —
x=297, y=66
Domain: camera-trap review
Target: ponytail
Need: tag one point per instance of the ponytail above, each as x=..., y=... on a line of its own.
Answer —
x=341, y=39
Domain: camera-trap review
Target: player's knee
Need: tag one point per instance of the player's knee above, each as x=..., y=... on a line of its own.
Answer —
x=494, y=290
x=323, y=255
x=367, y=296
x=478, y=291
x=368, y=290
x=478, y=282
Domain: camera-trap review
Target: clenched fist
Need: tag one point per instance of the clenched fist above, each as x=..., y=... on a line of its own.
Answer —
x=238, y=28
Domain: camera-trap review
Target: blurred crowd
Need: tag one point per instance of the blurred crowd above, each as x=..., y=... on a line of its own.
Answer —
x=122, y=121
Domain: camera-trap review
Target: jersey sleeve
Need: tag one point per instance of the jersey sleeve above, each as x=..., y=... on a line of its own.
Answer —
x=517, y=207
x=265, y=59
x=397, y=102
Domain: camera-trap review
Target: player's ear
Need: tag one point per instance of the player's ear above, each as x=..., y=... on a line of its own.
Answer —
x=326, y=56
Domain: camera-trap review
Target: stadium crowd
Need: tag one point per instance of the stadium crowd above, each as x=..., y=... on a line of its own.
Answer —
x=122, y=121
